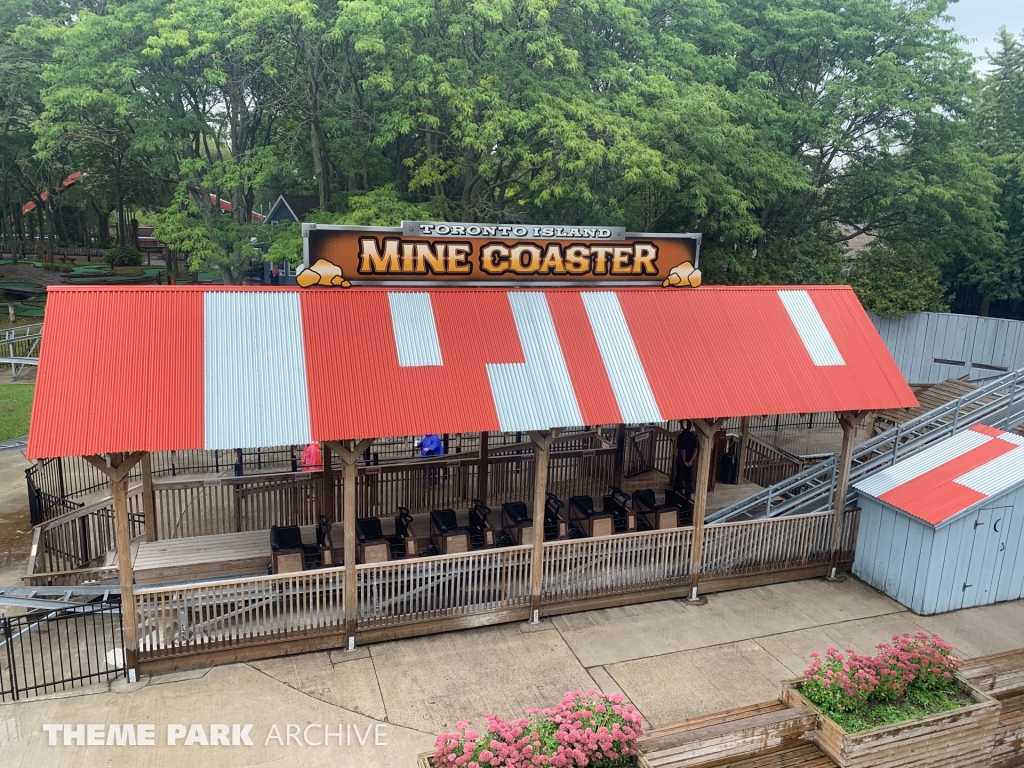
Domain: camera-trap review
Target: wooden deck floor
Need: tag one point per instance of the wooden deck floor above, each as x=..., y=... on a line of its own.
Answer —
x=204, y=557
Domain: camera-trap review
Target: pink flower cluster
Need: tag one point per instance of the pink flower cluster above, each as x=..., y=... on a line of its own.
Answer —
x=584, y=729
x=848, y=682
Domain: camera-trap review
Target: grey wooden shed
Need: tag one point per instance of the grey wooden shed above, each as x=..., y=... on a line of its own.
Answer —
x=942, y=530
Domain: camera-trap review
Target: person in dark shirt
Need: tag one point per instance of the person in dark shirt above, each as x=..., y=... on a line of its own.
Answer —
x=687, y=447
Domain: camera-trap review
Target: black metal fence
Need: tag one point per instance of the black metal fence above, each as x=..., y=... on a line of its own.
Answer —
x=51, y=651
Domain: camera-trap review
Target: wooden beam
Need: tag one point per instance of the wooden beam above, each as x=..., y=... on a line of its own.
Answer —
x=848, y=420
x=327, y=481
x=119, y=464
x=741, y=459
x=148, y=497
x=481, y=469
x=350, y=451
x=541, y=460
x=706, y=436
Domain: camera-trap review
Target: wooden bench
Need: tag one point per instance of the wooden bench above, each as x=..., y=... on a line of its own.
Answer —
x=756, y=736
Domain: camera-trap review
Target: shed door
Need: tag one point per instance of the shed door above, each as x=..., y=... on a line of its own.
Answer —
x=986, y=536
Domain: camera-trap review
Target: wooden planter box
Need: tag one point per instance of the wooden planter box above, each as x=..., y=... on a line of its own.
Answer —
x=960, y=738
x=423, y=760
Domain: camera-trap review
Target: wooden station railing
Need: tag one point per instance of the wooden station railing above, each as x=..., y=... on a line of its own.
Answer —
x=425, y=595
x=423, y=589
x=579, y=569
x=200, y=618
x=767, y=464
x=79, y=539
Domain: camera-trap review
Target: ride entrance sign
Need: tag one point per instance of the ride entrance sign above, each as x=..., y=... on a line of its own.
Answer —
x=428, y=253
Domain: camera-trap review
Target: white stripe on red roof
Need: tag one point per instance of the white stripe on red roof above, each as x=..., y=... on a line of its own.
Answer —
x=621, y=361
x=537, y=394
x=412, y=320
x=255, y=371
x=812, y=329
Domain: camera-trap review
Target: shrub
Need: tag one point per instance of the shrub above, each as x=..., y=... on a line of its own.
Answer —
x=584, y=729
x=59, y=266
x=122, y=256
x=850, y=682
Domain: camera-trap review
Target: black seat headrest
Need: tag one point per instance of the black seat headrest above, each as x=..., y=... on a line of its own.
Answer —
x=444, y=519
x=285, y=537
x=368, y=529
x=645, y=497
x=582, y=503
x=517, y=511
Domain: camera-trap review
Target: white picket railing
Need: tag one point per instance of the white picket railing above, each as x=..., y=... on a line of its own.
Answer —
x=583, y=568
x=186, y=618
x=418, y=589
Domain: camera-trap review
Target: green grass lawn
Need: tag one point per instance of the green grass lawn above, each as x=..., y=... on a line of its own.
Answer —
x=15, y=409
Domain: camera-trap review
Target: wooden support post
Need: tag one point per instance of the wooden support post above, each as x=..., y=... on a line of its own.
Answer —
x=327, y=481
x=481, y=469
x=126, y=576
x=541, y=459
x=148, y=497
x=620, y=455
x=351, y=596
x=349, y=454
x=741, y=459
x=706, y=437
x=116, y=467
x=848, y=420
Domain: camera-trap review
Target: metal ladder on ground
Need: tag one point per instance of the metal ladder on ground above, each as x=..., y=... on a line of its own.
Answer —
x=1000, y=403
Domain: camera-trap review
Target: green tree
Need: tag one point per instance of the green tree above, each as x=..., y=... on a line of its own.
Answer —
x=892, y=281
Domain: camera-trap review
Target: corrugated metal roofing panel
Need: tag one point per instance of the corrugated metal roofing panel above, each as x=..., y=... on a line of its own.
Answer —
x=957, y=445
x=952, y=477
x=808, y=323
x=1000, y=474
x=536, y=394
x=618, y=352
x=1012, y=438
x=119, y=370
x=255, y=370
x=412, y=320
x=935, y=496
x=704, y=353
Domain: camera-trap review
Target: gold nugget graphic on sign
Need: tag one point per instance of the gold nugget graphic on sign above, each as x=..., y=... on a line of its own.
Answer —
x=683, y=276
x=322, y=272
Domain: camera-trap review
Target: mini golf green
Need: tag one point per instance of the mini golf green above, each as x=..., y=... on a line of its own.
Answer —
x=21, y=286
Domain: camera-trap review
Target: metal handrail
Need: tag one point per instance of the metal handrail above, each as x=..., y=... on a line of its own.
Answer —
x=998, y=403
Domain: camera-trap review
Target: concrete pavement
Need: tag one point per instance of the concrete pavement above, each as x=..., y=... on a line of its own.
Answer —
x=671, y=659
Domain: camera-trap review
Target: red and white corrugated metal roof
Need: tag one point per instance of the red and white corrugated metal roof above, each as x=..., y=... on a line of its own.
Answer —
x=162, y=368
x=959, y=473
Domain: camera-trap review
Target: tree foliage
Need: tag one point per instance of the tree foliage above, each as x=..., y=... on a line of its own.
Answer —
x=779, y=129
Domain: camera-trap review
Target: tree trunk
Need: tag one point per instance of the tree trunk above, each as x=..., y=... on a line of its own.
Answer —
x=983, y=309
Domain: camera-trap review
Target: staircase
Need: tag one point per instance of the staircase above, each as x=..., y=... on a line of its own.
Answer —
x=1000, y=403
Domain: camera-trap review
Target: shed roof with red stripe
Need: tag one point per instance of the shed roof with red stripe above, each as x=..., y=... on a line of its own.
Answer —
x=172, y=368
x=952, y=477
